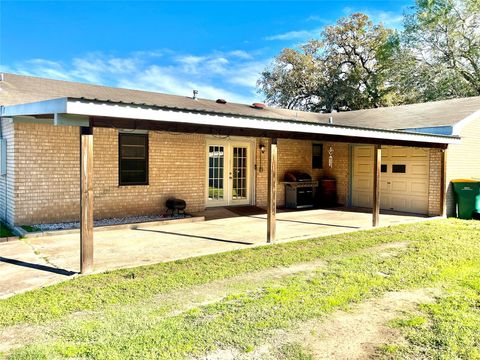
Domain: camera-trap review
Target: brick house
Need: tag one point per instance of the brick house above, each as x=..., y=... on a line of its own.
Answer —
x=148, y=147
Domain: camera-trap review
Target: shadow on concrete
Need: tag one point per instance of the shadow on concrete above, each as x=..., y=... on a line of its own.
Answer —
x=197, y=236
x=37, y=266
x=309, y=223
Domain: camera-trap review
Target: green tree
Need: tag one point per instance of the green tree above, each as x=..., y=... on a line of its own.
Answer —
x=293, y=80
x=444, y=38
x=348, y=68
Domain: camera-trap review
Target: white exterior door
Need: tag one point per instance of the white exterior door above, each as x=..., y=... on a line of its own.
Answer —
x=403, y=181
x=229, y=172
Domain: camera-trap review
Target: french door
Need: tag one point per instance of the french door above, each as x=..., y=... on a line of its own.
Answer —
x=228, y=173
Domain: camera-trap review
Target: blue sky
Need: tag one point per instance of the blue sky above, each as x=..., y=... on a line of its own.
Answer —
x=217, y=47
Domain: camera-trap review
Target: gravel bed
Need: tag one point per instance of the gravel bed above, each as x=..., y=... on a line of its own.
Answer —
x=106, y=222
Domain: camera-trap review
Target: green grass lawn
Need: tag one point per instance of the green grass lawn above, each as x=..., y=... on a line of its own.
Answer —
x=140, y=312
x=447, y=329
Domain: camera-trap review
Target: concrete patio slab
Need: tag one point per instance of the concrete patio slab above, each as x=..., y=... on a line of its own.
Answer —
x=22, y=268
x=41, y=261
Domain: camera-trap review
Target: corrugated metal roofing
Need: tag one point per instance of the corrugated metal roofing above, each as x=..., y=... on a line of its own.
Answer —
x=19, y=89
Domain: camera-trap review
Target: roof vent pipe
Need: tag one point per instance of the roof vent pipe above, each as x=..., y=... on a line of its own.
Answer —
x=195, y=93
x=258, y=106
x=330, y=120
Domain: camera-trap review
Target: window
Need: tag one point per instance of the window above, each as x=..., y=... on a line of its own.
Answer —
x=384, y=168
x=133, y=159
x=317, y=156
x=399, y=169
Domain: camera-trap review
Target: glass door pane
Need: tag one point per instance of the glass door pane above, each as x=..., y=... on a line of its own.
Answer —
x=216, y=161
x=239, y=173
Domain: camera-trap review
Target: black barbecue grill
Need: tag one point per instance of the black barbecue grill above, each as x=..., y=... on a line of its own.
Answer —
x=299, y=190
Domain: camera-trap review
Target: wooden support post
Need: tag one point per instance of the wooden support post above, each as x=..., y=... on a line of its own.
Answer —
x=272, y=191
x=443, y=184
x=86, y=199
x=377, y=168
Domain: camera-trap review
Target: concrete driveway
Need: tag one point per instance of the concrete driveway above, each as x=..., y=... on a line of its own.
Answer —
x=37, y=262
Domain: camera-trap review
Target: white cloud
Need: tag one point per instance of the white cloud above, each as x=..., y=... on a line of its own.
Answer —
x=167, y=80
x=389, y=19
x=190, y=63
x=295, y=35
x=316, y=18
x=240, y=54
x=45, y=68
x=217, y=65
x=154, y=78
x=190, y=59
x=151, y=53
x=229, y=75
x=247, y=74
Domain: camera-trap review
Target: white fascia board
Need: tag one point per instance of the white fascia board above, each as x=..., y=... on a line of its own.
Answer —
x=457, y=128
x=36, y=108
x=128, y=111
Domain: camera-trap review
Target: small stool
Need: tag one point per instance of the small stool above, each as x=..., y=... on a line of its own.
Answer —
x=176, y=206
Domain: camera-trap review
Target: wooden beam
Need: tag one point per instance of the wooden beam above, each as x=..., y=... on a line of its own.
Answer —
x=443, y=184
x=272, y=192
x=377, y=168
x=86, y=199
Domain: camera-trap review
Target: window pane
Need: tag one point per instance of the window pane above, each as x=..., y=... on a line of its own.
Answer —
x=133, y=159
x=133, y=139
x=384, y=168
x=133, y=151
x=317, y=156
x=399, y=169
x=317, y=149
x=133, y=165
x=215, y=172
x=133, y=177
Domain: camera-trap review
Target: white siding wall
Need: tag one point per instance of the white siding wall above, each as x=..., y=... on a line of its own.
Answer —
x=7, y=184
x=463, y=161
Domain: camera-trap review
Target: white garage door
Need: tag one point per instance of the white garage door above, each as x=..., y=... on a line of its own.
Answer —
x=403, y=181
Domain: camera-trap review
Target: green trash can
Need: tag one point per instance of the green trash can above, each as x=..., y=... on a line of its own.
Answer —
x=467, y=196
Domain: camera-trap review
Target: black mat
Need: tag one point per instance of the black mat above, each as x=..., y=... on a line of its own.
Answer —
x=247, y=210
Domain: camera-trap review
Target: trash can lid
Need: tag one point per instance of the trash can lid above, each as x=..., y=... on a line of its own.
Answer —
x=465, y=181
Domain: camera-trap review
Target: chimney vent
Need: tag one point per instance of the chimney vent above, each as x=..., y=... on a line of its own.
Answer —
x=258, y=106
x=195, y=93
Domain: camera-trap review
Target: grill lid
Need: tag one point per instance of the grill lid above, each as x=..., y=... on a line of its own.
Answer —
x=297, y=176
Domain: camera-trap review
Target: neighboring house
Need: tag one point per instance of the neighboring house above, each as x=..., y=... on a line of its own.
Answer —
x=150, y=146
